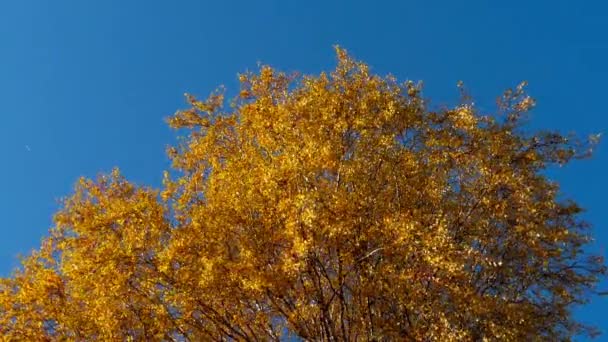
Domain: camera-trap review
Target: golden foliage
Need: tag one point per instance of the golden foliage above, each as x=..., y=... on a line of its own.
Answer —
x=335, y=207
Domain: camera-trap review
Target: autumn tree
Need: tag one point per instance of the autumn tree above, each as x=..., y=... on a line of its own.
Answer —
x=338, y=207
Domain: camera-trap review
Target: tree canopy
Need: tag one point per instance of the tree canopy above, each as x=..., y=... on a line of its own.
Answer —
x=337, y=207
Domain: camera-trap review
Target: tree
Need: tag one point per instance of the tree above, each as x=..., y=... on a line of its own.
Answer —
x=336, y=207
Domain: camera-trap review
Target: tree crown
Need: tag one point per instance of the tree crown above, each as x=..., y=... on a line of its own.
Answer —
x=333, y=207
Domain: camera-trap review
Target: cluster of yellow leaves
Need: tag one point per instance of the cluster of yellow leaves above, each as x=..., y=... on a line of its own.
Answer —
x=336, y=207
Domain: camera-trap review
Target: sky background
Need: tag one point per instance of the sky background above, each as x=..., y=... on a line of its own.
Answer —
x=86, y=85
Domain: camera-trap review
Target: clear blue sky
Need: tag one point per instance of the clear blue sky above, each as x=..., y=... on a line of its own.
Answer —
x=85, y=85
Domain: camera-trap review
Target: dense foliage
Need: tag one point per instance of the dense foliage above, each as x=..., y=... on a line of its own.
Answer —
x=336, y=207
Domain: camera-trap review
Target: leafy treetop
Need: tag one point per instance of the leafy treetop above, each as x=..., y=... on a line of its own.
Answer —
x=330, y=207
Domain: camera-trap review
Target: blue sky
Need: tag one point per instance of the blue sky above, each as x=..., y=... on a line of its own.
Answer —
x=85, y=86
